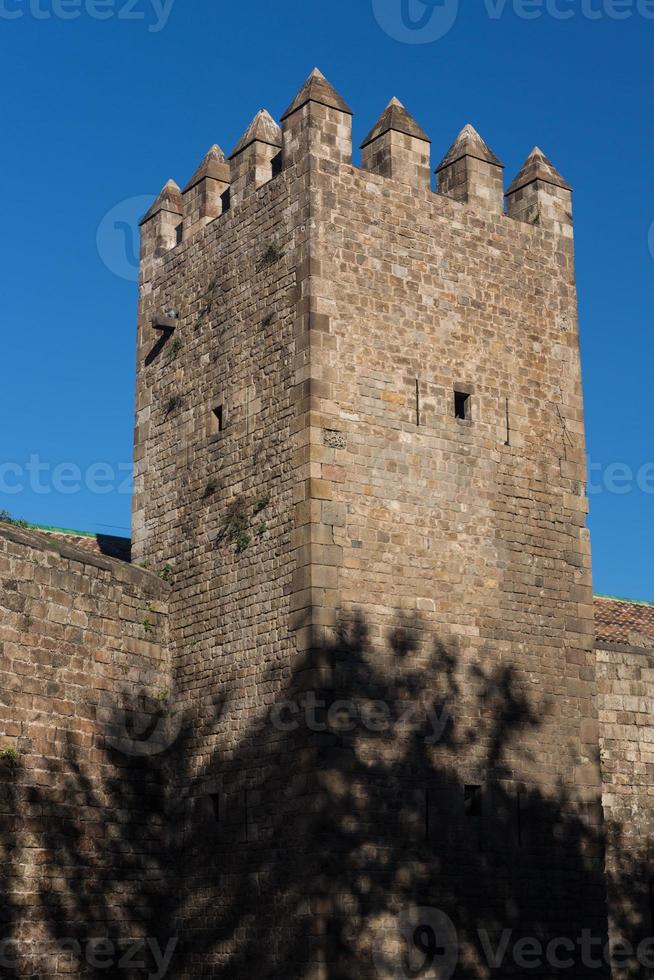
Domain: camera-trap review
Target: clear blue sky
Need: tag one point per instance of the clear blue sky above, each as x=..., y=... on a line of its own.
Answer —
x=96, y=112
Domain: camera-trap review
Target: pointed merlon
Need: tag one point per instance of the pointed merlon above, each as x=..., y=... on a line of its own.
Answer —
x=317, y=89
x=262, y=129
x=538, y=167
x=469, y=144
x=169, y=199
x=395, y=117
x=214, y=166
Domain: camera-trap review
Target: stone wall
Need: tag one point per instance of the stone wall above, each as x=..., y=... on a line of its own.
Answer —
x=215, y=503
x=625, y=678
x=466, y=535
x=339, y=541
x=83, y=669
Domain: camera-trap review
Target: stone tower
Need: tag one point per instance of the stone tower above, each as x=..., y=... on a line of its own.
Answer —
x=360, y=450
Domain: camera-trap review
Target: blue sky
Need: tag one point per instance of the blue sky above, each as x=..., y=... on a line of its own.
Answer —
x=98, y=113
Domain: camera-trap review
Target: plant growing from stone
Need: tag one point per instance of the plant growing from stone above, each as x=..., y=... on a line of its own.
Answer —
x=274, y=253
x=173, y=404
x=10, y=756
x=6, y=518
x=243, y=542
x=236, y=523
x=175, y=348
x=209, y=298
x=261, y=504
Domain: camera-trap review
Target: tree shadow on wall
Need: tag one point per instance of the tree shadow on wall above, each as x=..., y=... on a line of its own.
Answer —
x=372, y=822
x=88, y=838
x=377, y=802
x=10, y=906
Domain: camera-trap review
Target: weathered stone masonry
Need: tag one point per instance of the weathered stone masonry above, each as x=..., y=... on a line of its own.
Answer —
x=360, y=470
x=625, y=675
x=80, y=634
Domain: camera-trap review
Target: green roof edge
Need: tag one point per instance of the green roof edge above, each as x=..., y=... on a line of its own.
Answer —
x=620, y=598
x=62, y=530
x=79, y=534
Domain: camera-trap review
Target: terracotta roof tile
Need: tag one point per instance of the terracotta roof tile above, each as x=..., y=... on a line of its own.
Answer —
x=623, y=621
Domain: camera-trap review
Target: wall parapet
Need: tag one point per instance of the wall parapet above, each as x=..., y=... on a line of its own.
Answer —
x=122, y=571
x=318, y=124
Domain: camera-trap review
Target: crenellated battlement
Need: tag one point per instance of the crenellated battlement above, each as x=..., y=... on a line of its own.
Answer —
x=318, y=125
x=204, y=197
x=471, y=173
x=252, y=158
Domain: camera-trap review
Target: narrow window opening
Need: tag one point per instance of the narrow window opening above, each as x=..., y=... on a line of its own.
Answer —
x=472, y=801
x=508, y=424
x=461, y=405
x=276, y=164
x=217, y=806
x=246, y=816
x=217, y=420
x=179, y=234
x=226, y=199
x=417, y=402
